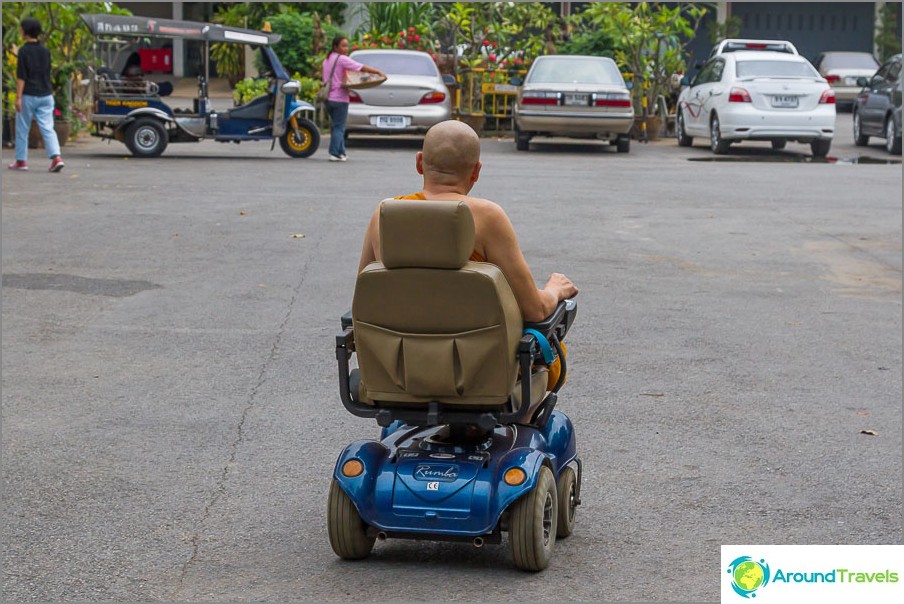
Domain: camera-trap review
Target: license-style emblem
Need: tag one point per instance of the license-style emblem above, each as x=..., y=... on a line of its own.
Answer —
x=440, y=473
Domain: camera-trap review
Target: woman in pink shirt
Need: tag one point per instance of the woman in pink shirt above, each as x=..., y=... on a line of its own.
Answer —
x=334, y=67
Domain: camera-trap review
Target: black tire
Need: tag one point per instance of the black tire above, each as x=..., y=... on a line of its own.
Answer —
x=566, y=487
x=305, y=143
x=532, y=526
x=683, y=139
x=778, y=145
x=892, y=142
x=522, y=140
x=860, y=139
x=146, y=137
x=719, y=145
x=347, y=532
x=820, y=148
x=623, y=145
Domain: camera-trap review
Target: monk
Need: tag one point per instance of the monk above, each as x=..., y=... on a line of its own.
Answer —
x=450, y=165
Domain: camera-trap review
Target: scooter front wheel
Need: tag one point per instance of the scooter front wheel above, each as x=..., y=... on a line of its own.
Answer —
x=532, y=526
x=347, y=532
x=302, y=143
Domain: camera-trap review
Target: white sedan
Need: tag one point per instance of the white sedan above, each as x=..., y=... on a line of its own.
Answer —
x=759, y=96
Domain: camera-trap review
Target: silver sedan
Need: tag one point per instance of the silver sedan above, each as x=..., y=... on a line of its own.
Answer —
x=574, y=96
x=412, y=99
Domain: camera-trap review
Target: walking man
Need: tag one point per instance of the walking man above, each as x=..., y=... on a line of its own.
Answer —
x=34, y=98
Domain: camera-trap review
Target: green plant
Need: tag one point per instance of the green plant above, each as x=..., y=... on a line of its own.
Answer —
x=651, y=40
x=66, y=37
x=301, y=33
x=248, y=89
x=888, y=35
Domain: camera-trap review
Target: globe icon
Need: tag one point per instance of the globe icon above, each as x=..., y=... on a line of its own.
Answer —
x=748, y=575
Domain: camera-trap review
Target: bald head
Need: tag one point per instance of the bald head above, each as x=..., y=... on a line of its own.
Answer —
x=451, y=152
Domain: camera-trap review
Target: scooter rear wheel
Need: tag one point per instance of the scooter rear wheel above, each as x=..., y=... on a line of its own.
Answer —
x=532, y=526
x=566, y=487
x=347, y=532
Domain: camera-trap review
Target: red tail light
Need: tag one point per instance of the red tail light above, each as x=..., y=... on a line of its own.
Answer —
x=738, y=95
x=828, y=96
x=612, y=99
x=353, y=97
x=540, y=98
x=432, y=97
x=755, y=45
x=831, y=79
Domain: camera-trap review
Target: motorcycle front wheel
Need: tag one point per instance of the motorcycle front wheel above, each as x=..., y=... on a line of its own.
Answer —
x=303, y=143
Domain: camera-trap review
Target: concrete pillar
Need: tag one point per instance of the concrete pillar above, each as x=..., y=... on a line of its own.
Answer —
x=178, y=46
x=723, y=12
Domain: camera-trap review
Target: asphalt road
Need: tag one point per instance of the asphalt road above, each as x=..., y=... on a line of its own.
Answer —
x=170, y=411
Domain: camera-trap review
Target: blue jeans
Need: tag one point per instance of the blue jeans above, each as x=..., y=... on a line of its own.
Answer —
x=41, y=109
x=338, y=118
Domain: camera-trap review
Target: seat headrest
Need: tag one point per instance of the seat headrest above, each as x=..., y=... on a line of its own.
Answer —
x=425, y=233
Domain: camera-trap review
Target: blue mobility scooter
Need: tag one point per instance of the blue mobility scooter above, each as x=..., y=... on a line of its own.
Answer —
x=471, y=443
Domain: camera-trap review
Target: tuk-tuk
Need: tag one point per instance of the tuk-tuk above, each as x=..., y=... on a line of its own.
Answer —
x=133, y=111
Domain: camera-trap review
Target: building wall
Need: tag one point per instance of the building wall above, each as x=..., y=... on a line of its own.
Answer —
x=811, y=27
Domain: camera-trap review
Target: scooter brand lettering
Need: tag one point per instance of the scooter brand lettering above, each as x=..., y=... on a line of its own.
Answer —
x=430, y=472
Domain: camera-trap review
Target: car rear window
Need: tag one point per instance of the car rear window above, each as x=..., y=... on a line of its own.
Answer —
x=581, y=71
x=399, y=64
x=775, y=69
x=849, y=61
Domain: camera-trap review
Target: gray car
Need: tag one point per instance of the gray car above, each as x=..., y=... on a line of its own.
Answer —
x=877, y=108
x=413, y=98
x=574, y=96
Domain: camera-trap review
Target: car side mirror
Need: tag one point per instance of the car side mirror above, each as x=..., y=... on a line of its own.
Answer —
x=449, y=80
x=516, y=81
x=861, y=81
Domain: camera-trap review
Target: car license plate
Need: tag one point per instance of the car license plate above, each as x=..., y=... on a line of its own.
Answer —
x=391, y=121
x=784, y=101
x=572, y=98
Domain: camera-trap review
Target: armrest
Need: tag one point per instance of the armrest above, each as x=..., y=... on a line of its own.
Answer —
x=346, y=320
x=558, y=322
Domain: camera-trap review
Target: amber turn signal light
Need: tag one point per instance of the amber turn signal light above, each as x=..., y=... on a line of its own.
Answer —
x=514, y=476
x=352, y=468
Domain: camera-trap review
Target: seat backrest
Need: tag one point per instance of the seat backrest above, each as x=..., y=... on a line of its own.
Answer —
x=429, y=324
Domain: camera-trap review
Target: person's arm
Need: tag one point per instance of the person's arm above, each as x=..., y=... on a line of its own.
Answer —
x=20, y=89
x=502, y=249
x=373, y=70
x=353, y=65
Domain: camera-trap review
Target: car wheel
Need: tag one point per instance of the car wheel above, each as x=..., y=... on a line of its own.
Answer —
x=892, y=142
x=522, y=140
x=146, y=137
x=532, y=527
x=683, y=139
x=304, y=142
x=859, y=138
x=778, y=145
x=566, y=487
x=716, y=142
x=820, y=148
x=623, y=144
x=346, y=530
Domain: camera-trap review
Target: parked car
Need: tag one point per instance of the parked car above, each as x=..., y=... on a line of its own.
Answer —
x=877, y=109
x=842, y=69
x=758, y=96
x=413, y=98
x=574, y=96
x=736, y=44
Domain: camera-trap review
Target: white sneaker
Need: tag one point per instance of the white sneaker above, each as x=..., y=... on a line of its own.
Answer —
x=337, y=158
x=343, y=157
